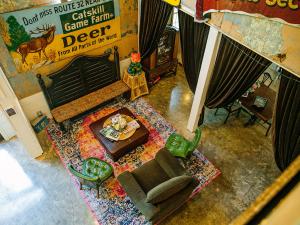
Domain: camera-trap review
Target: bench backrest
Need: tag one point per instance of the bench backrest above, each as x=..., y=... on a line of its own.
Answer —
x=83, y=75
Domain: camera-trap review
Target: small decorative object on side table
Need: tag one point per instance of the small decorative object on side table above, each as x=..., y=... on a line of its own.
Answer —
x=135, y=78
x=40, y=122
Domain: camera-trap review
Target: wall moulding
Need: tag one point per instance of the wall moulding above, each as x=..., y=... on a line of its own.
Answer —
x=270, y=39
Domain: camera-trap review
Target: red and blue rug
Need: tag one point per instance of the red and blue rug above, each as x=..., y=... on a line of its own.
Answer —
x=114, y=206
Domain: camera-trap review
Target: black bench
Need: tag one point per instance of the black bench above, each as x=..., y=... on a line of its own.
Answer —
x=85, y=83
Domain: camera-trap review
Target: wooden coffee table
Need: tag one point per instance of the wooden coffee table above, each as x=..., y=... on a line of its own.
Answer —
x=117, y=149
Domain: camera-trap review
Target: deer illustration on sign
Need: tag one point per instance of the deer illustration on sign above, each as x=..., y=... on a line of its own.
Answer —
x=37, y=44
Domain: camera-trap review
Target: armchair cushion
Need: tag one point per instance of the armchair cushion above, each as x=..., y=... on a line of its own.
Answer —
x=167, y=189
x=137, y=195
x=169, y=163
x=150, y=175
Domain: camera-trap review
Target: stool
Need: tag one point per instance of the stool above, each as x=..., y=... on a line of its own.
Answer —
x=137, y=84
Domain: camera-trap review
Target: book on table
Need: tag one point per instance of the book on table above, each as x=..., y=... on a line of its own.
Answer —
x=132, y=125
x=112, y=134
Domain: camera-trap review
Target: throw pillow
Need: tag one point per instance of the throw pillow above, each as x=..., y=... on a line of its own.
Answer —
x=168, y=188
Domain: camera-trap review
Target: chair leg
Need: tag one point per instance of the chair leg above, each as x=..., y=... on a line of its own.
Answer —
x=98, y=192
x=239, y=112
x=175, y=71
x=251, y=121
x=216, y=111
x=267, y=132
x=62, y=127
x=227, y=118
x=67, y=125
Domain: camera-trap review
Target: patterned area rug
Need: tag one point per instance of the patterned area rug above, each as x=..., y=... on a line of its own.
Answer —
x=114, y=206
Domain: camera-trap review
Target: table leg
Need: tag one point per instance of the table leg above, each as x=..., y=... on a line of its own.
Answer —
x=267, y=132
x=251, y=121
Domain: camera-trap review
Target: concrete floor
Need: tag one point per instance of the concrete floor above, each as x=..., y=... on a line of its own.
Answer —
x=40, y=192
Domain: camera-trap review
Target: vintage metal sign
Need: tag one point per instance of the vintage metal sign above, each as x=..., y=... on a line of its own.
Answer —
x=173, y=2
x=287, y=11
x=39, y=36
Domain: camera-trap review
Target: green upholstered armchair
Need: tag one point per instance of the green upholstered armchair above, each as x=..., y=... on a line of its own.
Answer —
x=180, y=147
x=159, y=186
x=94, y=172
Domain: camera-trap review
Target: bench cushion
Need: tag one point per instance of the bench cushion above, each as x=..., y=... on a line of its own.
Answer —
x=89, y=101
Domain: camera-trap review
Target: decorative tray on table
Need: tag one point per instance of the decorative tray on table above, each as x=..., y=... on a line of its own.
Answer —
x=119, y=127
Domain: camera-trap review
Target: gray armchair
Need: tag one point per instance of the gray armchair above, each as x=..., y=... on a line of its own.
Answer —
x=158, y=187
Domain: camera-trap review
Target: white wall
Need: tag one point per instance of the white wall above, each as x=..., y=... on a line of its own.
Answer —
x=37, y=102
x=6, y=129
x=34, y=103
x=18, y=121
x=189, y=3
x=188, y=6
x=124, y=65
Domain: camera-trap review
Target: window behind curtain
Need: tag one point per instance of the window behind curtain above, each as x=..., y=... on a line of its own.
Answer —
x=175, y=21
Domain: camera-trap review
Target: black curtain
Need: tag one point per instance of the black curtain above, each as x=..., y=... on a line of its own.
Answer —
x=236, y=70
x=154, y=18
x=193, y=37
x=286, y=122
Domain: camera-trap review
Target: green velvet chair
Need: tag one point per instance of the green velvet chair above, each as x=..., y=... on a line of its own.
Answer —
x=94, y=172
x=180, y=147
x=159, y=186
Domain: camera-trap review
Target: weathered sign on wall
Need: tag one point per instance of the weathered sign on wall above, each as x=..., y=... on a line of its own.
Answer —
x=287, y=11
x=173, y=2
x=39, y=36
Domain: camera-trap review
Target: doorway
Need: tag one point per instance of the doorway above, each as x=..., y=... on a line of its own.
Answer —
x=6, y=129
x=13, y=112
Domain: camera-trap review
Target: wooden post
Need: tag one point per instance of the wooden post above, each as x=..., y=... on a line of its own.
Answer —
x=117, y=61
x=44, y=89
x=208, y=62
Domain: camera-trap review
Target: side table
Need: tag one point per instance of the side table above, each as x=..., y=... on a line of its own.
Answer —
x=137, y=84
